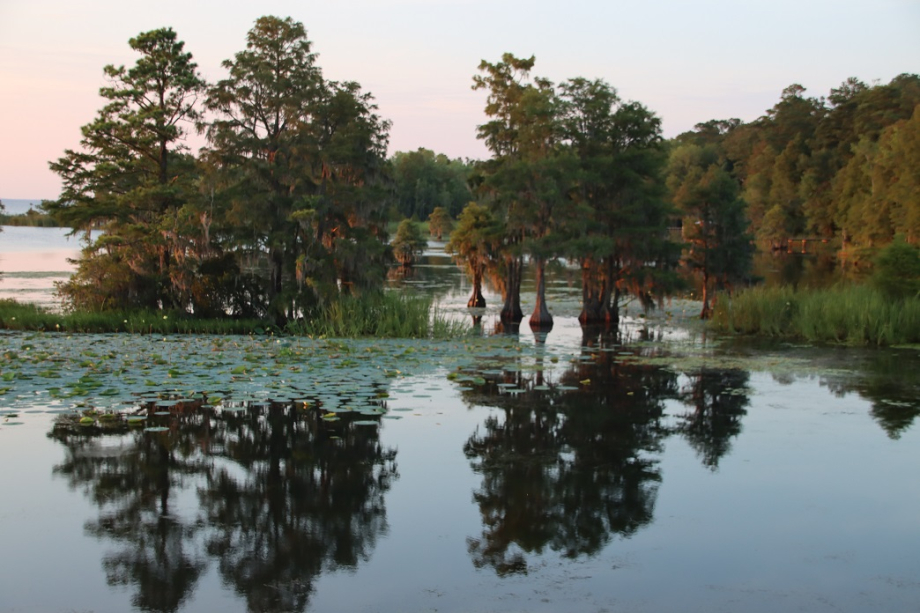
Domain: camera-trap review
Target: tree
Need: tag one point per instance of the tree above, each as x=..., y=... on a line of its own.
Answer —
x=473, y=243
x=717, y=409
x=714, y=225
x=524, y=179
x=131, y=178
x=302, y=163
x=616, y=226
x=439, y=222
x=408, y=243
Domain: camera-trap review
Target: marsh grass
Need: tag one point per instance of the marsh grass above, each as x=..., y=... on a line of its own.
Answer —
x=848, y=314
x=382, y=315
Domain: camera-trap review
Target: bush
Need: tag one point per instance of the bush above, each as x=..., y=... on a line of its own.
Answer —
x=897, y=270
x=408, y=243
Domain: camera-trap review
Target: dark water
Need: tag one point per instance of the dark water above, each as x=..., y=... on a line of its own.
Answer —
x=658, y=471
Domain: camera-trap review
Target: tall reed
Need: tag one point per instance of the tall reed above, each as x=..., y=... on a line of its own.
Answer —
x=383, y=315
x=850, y=314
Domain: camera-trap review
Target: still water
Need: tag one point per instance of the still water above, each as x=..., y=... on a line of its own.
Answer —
x=658, y=471
x=32, y=260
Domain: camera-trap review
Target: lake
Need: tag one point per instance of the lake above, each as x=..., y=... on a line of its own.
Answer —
x=664, y=470
x=32, y=260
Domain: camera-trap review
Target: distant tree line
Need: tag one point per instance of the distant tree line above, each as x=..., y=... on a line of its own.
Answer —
x=31, y=218
x=425, y=180
x=842, y=168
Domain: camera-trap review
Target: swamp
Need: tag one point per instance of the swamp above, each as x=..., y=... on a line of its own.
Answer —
x=660, y=469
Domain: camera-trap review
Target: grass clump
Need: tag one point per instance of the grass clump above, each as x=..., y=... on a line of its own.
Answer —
x=382, y=315
x=379, y=315
x=851, y=314
x=19, y=316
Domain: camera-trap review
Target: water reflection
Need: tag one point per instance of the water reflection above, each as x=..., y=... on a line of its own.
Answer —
x=135, y=480
x=567, y=465
x=717, y=399
x=281, y=495
x=572, y=459
x=887, y=379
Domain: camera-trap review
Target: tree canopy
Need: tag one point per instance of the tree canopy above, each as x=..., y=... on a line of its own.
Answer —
x=133, y=178
x=280, y=212
x=575, y=172
x=835, y=167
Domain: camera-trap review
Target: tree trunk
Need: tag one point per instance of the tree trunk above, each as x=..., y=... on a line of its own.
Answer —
x=593, y=309
x=276, y=263
x=613, y=308
x=706, y=313
x=477, y=300
x=511, y=311
x=541, y=319
x=612, y=303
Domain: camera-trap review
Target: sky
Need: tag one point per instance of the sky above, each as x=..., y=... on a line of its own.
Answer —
x=688, y=61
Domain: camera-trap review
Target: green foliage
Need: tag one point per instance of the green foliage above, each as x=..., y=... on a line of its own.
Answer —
x=408, y=243
x=616, y=223
x=520, y=135
x=299, y=165
x=715, y=226
x=379, y=315
x=474, y=244
x=440, y=222
x=16, y=316
x=575, y=172
x=31, y=218
x=425, y=181
x=280, y=214
x=131, y=176
x=855, y=315
x=897, y=270
x=834, y=168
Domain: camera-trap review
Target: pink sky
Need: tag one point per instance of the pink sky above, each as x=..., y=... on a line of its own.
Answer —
x=687, y=61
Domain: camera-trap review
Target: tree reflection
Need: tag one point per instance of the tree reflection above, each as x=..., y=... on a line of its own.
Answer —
x=281, y=496
x=717, y=398
x=305, y=501
x=567, y=469
x=888, y=379
x=135, y=478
